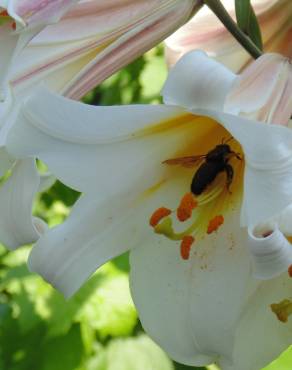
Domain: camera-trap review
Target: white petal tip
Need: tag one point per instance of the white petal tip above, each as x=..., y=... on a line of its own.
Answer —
x=270, y=250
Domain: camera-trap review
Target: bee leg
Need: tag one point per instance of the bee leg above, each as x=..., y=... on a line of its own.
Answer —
x=229, y=173
x=237, y=155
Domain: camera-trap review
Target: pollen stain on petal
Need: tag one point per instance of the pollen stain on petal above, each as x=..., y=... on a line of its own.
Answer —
x=158, y=215
x=185, y=246
x=215, y=223
x=282, y=310
x=187, y=204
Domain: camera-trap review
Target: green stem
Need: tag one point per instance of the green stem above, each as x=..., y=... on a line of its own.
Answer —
x=219, y=10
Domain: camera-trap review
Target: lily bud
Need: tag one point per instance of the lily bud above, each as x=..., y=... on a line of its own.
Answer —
x=206, y=32
x=263, y=92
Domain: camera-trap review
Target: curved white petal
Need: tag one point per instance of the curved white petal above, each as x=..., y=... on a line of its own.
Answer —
x=37, y=12
x=260, y=336
x=197, y=81
x=263, y=90
x=284, y=221
x=268, y=165
x=121, y=138
x=10, y=40
x=16, y=196
x=97, y=230
x=73, y=139
x=270, y=250
x=6, y=161
x=191, y=308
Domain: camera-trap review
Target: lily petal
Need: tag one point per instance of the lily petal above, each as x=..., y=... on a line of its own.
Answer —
x=261, y=336
x=270, y=250
x=49, y=121
x=96, y=231
x=208, y=288
x=190, y=306
x=185, y=86
x=54, y=122
x=37, y=12
x=17, y=227
x=263, y=91
x=113, y=33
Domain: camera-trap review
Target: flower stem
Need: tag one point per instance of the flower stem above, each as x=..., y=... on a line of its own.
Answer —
x=219, y=10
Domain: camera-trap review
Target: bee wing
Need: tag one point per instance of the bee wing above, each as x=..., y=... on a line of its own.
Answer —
x=187, y=162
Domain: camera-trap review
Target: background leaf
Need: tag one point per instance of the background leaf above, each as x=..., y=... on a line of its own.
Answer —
x=248, y=22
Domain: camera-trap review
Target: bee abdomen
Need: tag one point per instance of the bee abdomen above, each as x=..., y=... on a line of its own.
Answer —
x=206, y=173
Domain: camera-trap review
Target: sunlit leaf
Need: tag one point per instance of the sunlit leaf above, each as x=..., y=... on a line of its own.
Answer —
x=131, y=354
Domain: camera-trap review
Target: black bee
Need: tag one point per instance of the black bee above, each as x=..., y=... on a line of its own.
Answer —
x=215, y=161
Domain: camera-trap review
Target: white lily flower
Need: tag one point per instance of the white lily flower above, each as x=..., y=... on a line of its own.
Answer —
x=91, y=41
x=191, y=272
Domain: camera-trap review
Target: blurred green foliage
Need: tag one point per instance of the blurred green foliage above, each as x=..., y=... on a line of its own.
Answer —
x=98, y=328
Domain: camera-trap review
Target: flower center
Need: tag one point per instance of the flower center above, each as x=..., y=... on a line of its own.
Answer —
x=200, y=211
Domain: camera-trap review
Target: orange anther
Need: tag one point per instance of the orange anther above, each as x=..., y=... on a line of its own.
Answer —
x=185, y=246
x=158, y=215
x=4, y=13
x=185, y=209
x=13, y=26
x=215, y=223
x=290, y=271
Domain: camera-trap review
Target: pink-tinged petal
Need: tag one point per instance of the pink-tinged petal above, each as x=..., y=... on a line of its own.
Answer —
x=111, y=37
x=206, y=32
x=128, y=47
x=263, y=91
x=40, y=12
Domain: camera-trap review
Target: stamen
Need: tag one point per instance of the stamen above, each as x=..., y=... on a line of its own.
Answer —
x=158, y=215
x=215, y=223
x=4, y=13
x=13, y=26
x=165, y=228
x=185, y=247
x=282, y=310
x=185, y=209
x=290, y=271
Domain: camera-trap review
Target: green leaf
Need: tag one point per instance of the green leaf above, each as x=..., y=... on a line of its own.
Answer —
x=283, y=362
x=64, y=352
x=254, y=30
x=243, y=10
x=131, y=354
x=248, y=22
x=104, y=302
